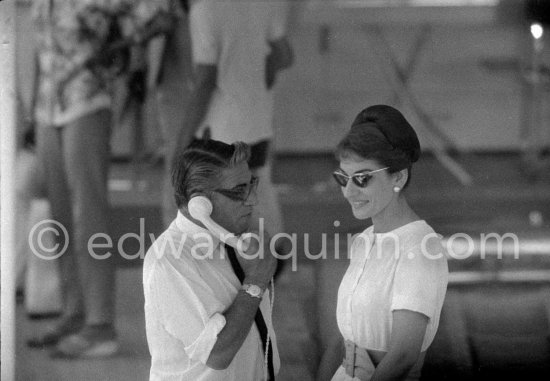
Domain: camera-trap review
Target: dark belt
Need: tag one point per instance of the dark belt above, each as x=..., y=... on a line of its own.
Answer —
x=357, y=362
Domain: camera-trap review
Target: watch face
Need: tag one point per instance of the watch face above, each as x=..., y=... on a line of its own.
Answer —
x=253, y=290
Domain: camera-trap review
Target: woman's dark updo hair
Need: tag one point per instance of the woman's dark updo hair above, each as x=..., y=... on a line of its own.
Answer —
x=383, y=134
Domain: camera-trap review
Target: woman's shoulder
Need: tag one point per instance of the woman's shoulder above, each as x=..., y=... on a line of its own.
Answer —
x=423, y=244
x=417, y=229
x=420, y=234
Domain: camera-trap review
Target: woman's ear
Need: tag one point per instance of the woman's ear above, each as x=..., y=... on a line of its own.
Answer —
x=401, y=178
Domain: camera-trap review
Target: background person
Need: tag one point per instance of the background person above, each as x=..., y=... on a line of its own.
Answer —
x=201, y=322
x=37, y=277
x=79, y=50
x=238, y=49
x=170, y=78
x=390, y=298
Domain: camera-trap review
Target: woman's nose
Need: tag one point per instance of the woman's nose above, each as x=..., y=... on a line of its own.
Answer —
x=350, y=189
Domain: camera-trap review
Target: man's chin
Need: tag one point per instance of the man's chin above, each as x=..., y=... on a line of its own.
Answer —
x=245, y=223
x=243, y=229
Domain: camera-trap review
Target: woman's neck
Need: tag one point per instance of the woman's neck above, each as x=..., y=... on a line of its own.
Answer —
x=398, y=213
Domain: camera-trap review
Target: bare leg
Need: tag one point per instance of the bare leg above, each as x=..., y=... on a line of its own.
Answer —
x=86, y=156
x=50, y=152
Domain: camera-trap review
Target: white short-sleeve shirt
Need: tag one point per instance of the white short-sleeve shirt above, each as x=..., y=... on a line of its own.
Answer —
x=402, y=269
x=187, y=290
x=234, y=35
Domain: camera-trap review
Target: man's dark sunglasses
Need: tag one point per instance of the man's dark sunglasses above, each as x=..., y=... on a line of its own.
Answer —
x=241, y=192
x=361, y=179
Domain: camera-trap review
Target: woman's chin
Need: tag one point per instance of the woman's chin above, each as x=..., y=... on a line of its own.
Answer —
x=360, y=214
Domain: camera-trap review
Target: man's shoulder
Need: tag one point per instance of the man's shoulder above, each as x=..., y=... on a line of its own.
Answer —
x=172, y=243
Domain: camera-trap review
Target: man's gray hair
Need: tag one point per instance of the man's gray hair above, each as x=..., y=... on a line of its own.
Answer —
x=196, y=168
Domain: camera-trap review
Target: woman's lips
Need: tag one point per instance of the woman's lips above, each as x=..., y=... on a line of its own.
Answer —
x=358, y=204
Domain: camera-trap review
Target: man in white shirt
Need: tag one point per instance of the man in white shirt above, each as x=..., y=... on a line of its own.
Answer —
x=207, y=317
x=238, y=48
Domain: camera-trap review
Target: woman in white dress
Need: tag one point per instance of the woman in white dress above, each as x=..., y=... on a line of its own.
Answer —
x=390, y=298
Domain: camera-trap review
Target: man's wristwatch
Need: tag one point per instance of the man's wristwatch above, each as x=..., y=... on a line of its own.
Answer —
x=253, y=290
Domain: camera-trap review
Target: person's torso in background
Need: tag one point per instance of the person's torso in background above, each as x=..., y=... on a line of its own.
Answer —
x=69, y=35
x=175, y=76
x=67, y=89
x=241, y=108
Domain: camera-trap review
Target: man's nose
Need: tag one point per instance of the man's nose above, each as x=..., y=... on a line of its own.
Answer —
x=252, y=198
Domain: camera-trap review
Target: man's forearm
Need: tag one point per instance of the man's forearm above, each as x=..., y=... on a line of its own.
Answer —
x=281, y=57
x=196, y=111
x=239, y=319
x=162, y=23
x=198, y=105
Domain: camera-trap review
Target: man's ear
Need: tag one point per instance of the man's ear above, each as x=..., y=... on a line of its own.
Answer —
x=196, y=194
x=200, y=208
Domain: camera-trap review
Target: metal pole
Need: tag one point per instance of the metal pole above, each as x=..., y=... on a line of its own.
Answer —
x=7, y=192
